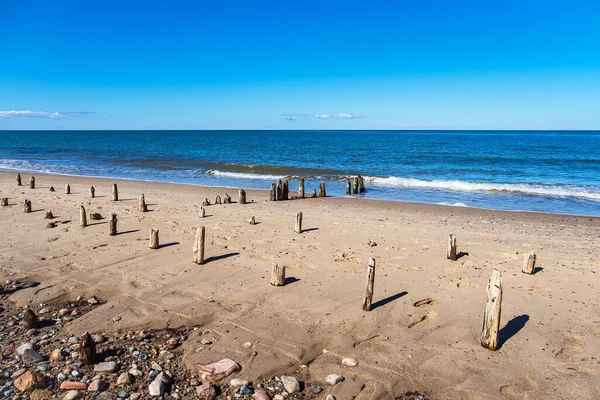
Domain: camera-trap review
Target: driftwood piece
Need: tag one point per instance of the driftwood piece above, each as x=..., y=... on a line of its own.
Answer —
x=285, y=191
x=67, y=189
x=218, y=199
x=491, y=317
x=142, y=207
x=273, y=192
x=529, y=262
x=4, y=202
x=19, y=180
x=348, y=186
x=30, y=320
x=32, y=182
x=115, y=192
x=92, y=192
x=277, y=275
x=322, y=190
x=87, y=350
x=301, y=188
x=242, y=196
x=361, y=184
x=298, y=225
x=27, y=206
x=355, y=185
x=227, y=199
x=112, y=225
x=49, y=215
x=95, y=216
x=199, y=245
x=82, y=217
x=279, y=189
x=368, y=297
x=205, y=203
x=451, y=252
x=154, y=244
x=202, y=212
x=252, y=220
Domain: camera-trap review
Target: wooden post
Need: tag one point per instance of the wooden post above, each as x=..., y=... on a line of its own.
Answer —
x=285, y=191
x=48, y=215
x=202, y=212
x=277, y=275
x=19, y=180
x=451, y=252
x=529, y=263
x=227, y=199
x=251, y=220
x=273, y=192
x=67, y=189
x=322, y=191
x=112, y=224
x=82, y=217
x=279, y=189
x=491, y=318
x=27, y=206
x=142, y=207
x=153, y=239
x=199, y=246
x=314, y=193
x=242, y=196
x=301, y=188
x=115, y=192
x=348, y=186
x=298, y=226
x=92, y=192
x=87, y=350
x=368, y=298
x=218, y=199
x=30, y=320
x=205, y=203
x=5, y=202
x=32, y=182
x=361, y=183
x=355, y=185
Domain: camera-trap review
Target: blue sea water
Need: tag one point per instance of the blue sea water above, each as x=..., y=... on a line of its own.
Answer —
x=546, y=171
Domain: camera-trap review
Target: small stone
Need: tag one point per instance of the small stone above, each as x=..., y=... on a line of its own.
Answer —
x=44, y=310
x=260, y=395
x=135, y=372
x=56, y=355
x=246, y=389
x=159, y=385
x=334, y=379
x=316, y=389
x=18, y=373
x=349, y=362
x=97, y=386
x=39, y=394
x=172, y=342
x=93, y=301
x=166, y=355
x=123, y=394
x=116, y=319
x=219, y=370
x=71, y=395
x=63, y=311
x=290, y=384
x=236, y=383
x=30, y=356
x=30, y=380
x=73, y=339
x=108, y=366
x=205, y=341
x=207, y=391
x=278, y=397
x=330, y=397
x=25, y=346
x=98, y=338
x=372, y=243
x=247, y=345
x=155, y=366
x=61, y=376
x=70, y=385
x=124, y=379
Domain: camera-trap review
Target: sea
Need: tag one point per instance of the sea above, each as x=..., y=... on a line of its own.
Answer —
x=540, y=171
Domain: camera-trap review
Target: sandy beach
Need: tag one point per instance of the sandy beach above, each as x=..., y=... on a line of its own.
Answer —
x=550, y=326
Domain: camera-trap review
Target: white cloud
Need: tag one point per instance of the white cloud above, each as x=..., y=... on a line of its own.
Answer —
x=324, y=116
x=42, y=114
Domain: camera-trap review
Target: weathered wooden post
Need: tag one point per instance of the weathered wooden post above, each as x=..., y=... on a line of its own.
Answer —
x=199, y=246
x=348, y=186
x=112, y=225
x=301, y=188
x=251, y=220
x=491, y=317
x=19, y=180
x=32, y=182
x=361, y=183
x=92, y=192
x=30, y=320
x=529, y=263
x=67, y=189
x=242, y=196
x=115, y=192
x=205, y=203
x=82, y=217
x=27, y=206
x=368, y=298
x=5, y=202
x=322, y=191
x=49, y=215
x=142, y=207
x=279, y=189
x=153, y=239
x=202, y=212
x=227, y=199
x=218, y=199
x=277, y=275
x=87, y=350
x=355, y=185
x=451, y=252
x=298, y=226
x=285, y=191
x=273, y=192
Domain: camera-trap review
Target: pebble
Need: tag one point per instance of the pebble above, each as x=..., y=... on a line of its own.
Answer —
x=21, y=349
x=207, y=391
x=56, y=355
x=123, y=394
x=73, y=339
x=69, y=385
x=334, y=379
x=330, y=397
x=135, y=372
x=92, y=301
x=205, y=341
x=316, y=389
x=44, y=310
x=236, y=383
x=290, y=384
x=108, y=366
x=260, y=395
x=98, y=338
x=18, y=373
x=124, y=379
x=61, y=376
x=349, y=362
x=247, y=345
x=71, y=395
x=30, y=356
x=246, y=389
x=97, y=386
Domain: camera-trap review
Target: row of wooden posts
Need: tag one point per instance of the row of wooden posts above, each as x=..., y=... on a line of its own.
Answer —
x=280, y=190
x=355, y=185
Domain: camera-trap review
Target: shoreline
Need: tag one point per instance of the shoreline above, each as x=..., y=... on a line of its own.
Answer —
x=549, y=334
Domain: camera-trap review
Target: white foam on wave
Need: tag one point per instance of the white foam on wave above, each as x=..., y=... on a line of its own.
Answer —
x=244, y=175
x=458, y=204
x=582, y=192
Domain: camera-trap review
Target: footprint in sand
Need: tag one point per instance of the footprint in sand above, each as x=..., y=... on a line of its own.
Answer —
x=521, y=390
x=424, y=319
x=463, y=282
x=425, y=302
x=567, y=352
x=534, y=288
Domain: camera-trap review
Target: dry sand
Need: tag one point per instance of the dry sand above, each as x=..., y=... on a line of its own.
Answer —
x=550, y=337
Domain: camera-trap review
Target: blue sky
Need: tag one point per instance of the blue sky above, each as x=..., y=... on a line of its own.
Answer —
x=300, y=65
